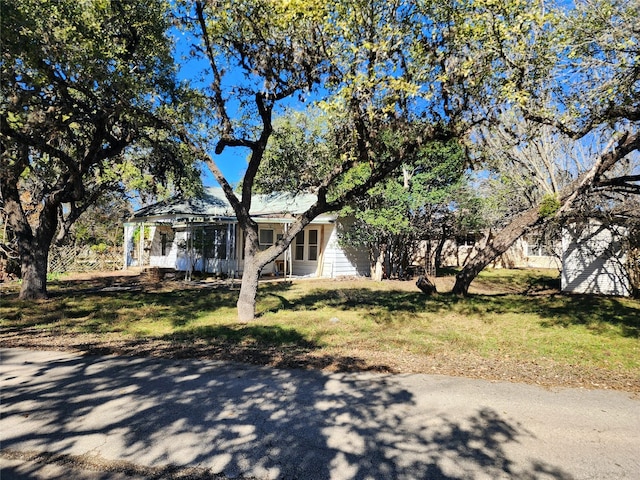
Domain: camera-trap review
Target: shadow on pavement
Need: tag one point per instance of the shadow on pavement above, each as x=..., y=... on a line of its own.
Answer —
x=137, y=416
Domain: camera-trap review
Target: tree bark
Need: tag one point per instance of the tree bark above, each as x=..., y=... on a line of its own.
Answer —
x=495, y=247
x=254, y=262
x=33, y=260
x=34, y=254
x=248, y=290
x=437, y=256
x=378, y=266
x=33, y=244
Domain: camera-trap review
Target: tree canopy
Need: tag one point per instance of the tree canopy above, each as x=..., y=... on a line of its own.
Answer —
x=88, y=98
x=370, y=66
x=577, y=72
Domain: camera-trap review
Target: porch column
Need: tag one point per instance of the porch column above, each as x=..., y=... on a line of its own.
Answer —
x=228, y=248
x=141, y=246
x=286, y=229
x=127, y=245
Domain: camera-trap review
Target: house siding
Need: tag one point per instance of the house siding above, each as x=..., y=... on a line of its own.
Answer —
x=339, y=261
x=156, y=259
x=594, y=260
x=169, y=224
x=519, y=255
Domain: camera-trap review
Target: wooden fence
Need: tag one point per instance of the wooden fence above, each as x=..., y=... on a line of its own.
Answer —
x=83, y=259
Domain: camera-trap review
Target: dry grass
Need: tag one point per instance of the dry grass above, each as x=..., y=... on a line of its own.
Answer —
x=514, y=326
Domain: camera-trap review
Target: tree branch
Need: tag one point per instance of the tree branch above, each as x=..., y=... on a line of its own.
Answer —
x=216, y=85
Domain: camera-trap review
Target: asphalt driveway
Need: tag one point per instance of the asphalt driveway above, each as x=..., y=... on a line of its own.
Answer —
x=127, y=417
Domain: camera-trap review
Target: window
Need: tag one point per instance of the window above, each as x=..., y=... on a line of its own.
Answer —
x=213, y=242
x=163, y=243
x=468, y=240
x=537, y=247
x=313, y=245
x=266, y=238
x=220, y=243
x=310, y=246
x=299, y=252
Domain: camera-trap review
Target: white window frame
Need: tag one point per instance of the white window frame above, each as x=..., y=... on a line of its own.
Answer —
x=313, y=247
x=304, y=250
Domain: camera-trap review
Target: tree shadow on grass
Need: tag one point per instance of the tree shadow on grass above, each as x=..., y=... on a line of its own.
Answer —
x=153, y=417
x=351, y=298
x=594, y=312
x=95, y=311
x=553, y=310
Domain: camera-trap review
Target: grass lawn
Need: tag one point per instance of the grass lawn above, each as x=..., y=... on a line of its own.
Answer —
x=514, y=326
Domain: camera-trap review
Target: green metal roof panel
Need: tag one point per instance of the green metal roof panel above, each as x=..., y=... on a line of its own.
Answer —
x=215, y=204
x=212, y=203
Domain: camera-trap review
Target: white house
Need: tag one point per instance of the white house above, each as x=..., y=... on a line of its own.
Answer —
x=594, y=259
x=202, y=234
x=529, y=251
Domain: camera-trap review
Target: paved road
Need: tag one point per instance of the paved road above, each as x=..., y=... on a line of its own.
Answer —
x=115, y=417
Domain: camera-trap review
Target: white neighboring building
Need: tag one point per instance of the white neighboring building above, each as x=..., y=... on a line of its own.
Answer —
x=529, y=251
x=203, y=235
x=594, y=259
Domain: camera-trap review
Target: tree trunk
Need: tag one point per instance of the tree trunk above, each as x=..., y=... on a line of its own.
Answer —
x=494, y=247
x=248, y=289
x=501, y=242
x=33, y=259
x=378, y=267
x=33, y=244
x=437, y=255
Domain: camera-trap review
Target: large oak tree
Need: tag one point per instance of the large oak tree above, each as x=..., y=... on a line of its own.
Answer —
x=577, y=72
x=87, y=93
x=372, y=66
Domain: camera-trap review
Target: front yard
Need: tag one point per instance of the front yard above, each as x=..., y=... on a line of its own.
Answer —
x=514, y=326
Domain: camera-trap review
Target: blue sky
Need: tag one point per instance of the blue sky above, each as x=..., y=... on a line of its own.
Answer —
x=233, y=161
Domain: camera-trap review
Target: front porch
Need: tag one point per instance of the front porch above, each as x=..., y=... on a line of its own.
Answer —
x=216, y=247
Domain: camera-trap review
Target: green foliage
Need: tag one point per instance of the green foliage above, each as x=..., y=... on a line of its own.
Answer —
x=472, y=211
x=101, y=223
x=602, y=52
x=139, y=231
x=549, y=206
x=90, y=106
x=300, y=153
x=99, y=248
x=413, y=204
x=89, y=88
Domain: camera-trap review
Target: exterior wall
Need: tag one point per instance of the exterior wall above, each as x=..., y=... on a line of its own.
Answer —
x=299, y=252
x=594, y=260
x=332, y=260
x=156, y=258
x=272, y=267
x=343, y=261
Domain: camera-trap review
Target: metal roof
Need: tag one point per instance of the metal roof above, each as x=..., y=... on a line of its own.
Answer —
x=277, y=205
